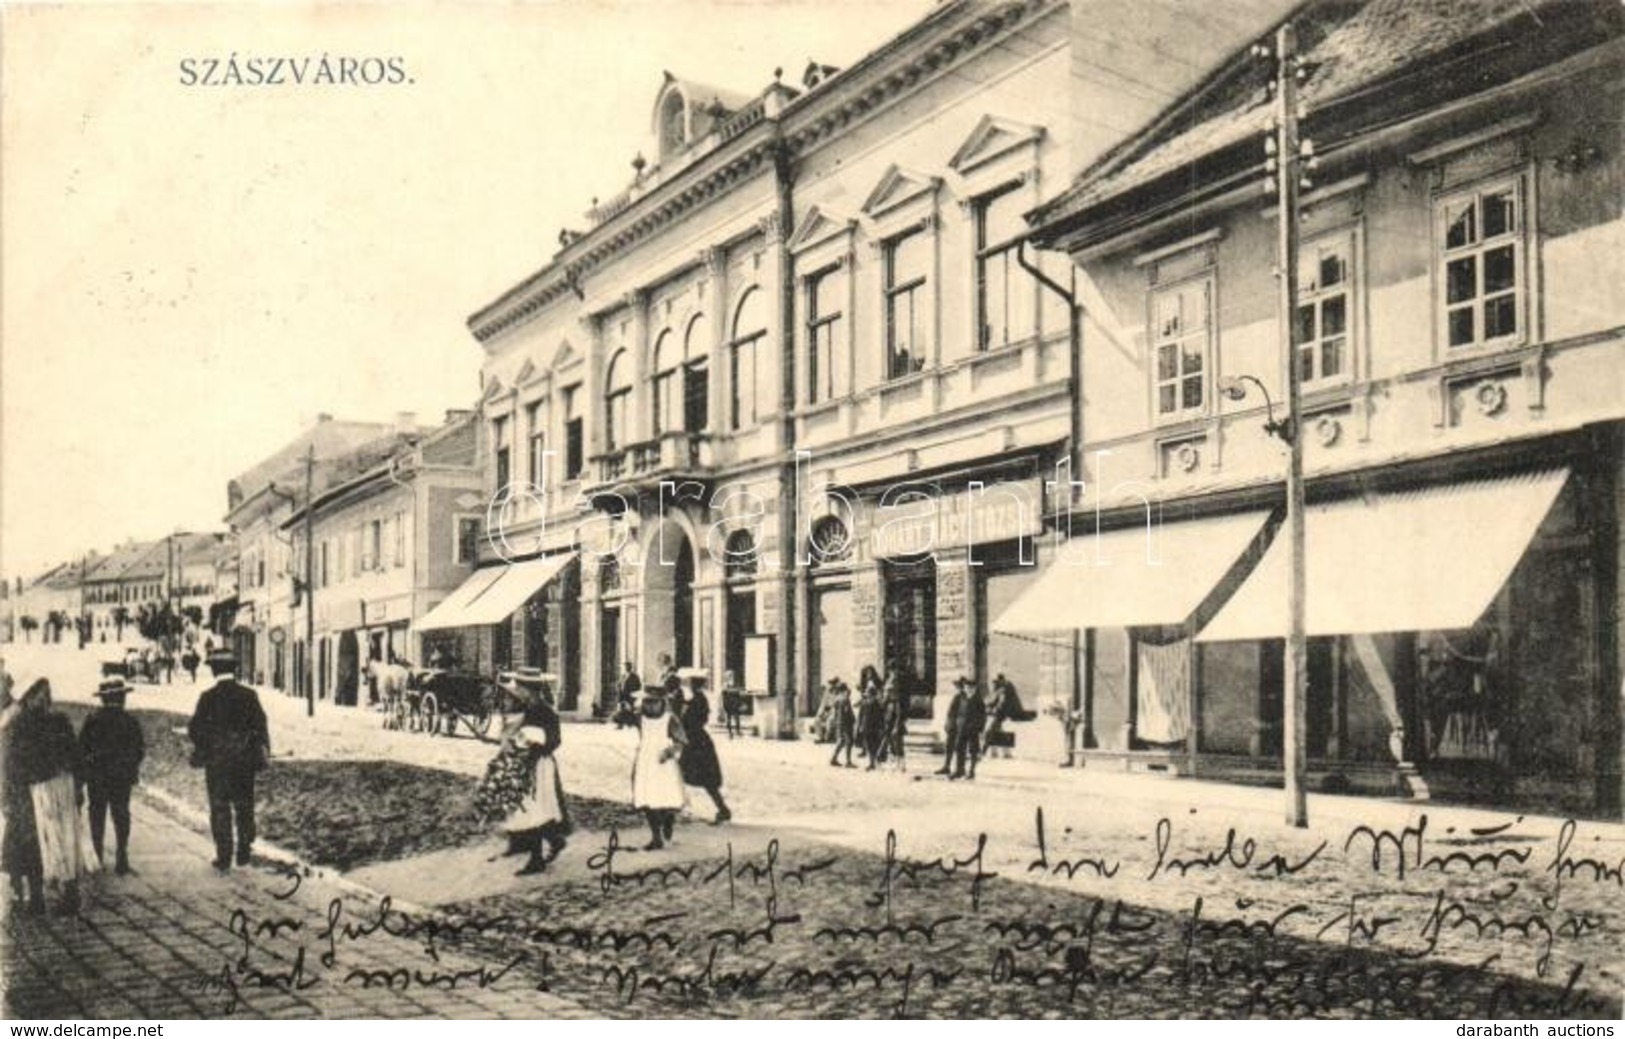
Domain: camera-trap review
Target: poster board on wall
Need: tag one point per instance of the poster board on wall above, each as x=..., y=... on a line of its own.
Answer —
x=759, y=664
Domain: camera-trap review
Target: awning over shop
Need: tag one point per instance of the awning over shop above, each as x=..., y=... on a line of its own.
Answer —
x=1422, y=560
x=451, y=609
x=1125, y=578
x=489, y=596
x=519, y=582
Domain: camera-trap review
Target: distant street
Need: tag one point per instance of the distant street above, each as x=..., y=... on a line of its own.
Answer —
x=840, y=891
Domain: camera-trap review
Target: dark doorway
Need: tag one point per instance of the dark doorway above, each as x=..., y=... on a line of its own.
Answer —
x=609, y=659
x=349, y=670
x=911, y=632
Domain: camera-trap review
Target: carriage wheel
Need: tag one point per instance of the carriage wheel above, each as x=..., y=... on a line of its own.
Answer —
x=430, y=710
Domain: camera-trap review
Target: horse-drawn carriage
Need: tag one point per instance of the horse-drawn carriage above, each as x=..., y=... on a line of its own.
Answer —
x=438, y=702
x=138, y=666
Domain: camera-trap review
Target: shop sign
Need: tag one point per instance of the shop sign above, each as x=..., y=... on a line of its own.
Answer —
x=917, y=525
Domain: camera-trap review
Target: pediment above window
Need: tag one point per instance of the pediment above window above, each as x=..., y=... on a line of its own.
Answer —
x=992, y=138
x=564, y=357
x=899, y=188
x=819, y=227
x=493, y=389
x=527, y=372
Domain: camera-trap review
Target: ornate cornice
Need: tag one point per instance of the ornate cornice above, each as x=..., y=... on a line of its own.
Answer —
x=805, y=122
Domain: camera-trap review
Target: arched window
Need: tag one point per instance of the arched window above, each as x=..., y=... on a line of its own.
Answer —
x=831, y=543
x=618, y=401
x=697, y=375
x=748, y=370
x=739, y=556
x=667, y=362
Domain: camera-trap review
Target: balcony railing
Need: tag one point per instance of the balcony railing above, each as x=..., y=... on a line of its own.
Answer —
x=674, y=454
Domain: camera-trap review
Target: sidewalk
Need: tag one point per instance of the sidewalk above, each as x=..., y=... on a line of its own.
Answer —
x=177, y=940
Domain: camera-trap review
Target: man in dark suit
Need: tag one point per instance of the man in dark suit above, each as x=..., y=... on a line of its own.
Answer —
x=231, y=742
x=111, y=748
x=967, y=715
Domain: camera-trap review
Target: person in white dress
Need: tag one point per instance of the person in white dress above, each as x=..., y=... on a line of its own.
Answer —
x=540, y=822
x=657, y=778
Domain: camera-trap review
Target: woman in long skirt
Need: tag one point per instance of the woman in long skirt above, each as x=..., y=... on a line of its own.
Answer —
x=699, y=762
x=522, y=786
x=42, y=813
x=657, y=779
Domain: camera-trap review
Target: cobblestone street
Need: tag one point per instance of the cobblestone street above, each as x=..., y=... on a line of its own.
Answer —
x=1034, y=892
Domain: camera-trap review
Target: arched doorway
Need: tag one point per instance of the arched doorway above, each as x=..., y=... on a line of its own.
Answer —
x=668, y=595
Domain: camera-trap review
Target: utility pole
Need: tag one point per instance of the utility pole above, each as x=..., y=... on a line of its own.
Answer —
x=1288, y=159
x=310, y=584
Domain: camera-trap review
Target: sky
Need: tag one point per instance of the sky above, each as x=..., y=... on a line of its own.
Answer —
x=192, y=269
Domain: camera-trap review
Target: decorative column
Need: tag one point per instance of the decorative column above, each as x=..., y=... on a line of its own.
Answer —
x=773, y=273
x=593, y=696
x=956, y=621
x=589, y=403
x=715, y=303
x=640, y=421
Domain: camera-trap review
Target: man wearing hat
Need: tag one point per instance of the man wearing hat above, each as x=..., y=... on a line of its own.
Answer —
x=111, y=747
x=231, y=741
x=966, y=717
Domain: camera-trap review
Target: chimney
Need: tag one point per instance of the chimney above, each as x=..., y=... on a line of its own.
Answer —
x=454, y=415
x=323, y=417
x=406, y=422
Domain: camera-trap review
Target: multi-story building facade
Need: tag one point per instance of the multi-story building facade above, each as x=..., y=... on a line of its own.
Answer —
x=1458, y=333
x=258, y=502
x=785, y=407
x=387, y=547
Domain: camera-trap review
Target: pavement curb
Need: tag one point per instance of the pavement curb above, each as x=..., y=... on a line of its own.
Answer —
x=188, y=815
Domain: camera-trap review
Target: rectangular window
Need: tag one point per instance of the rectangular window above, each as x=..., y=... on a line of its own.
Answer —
x=697, y=396
x=468, y=539
x=823, y=331
x=1481, y=266
x=375, y=545
x=499, y=450
x=575, y=453
x=1182, y=344
x=908, y=260
x=400, y=538
x=742, y=383
x=1004, y=292
x=538, y=445
x=324, y=561
x=1325, y=306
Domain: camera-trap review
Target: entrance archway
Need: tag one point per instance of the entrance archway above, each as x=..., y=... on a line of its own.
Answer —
x=668, y=595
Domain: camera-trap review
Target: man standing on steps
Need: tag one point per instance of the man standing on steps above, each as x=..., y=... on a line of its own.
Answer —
x=111, y=748
x=231, y=743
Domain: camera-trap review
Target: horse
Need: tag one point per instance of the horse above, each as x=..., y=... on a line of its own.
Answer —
x=392, y=683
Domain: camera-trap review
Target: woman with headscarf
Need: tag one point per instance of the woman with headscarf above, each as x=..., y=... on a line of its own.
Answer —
x=42, y=801
x=657, y=778
x=522, y=785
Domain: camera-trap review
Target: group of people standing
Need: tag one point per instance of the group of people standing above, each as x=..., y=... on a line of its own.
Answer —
x=46, y=775
x=674, y=751
x=874, y=726
x=523, y=791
